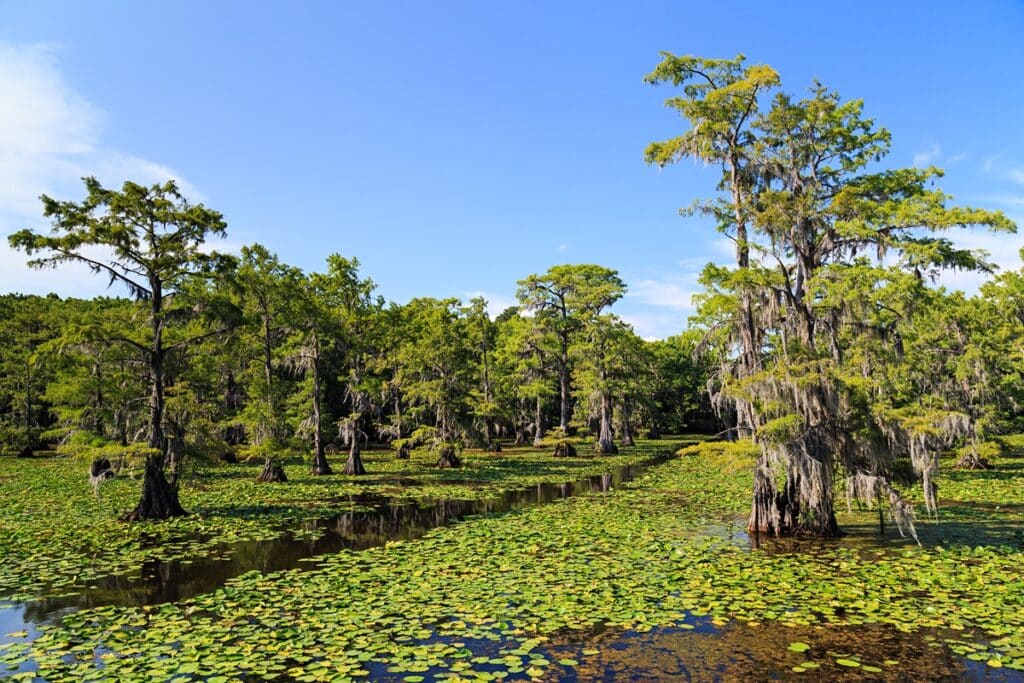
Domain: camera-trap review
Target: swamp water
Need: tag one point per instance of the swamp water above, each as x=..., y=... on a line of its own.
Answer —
x=377, y=521
x=696, y=648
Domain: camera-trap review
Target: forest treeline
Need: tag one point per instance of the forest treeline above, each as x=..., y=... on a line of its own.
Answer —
x=263, y=360
x=827, y=343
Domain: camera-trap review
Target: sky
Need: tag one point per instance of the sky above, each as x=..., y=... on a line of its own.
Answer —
x=457, y=147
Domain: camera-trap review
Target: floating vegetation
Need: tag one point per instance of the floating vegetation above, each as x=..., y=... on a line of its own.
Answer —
x=57, y=539
x=493, y=597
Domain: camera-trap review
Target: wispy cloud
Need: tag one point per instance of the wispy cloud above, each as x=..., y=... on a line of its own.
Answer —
x=50, y=137
x=1003, y=199
x=926, y=157
x=562, y=248
x=1017, y=175
x=496, y=303
x=694, y=264
x=664, y=294
x=658, y=307
x=1003, y=251
x=652, y=325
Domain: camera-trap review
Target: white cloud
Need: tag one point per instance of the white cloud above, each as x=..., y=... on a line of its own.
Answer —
x=496, y=303
x=561, y=248
x=658, y=307
x=653, y=325
x=1003, y=250
x=1017, y=175
x=45, y=128
x=693, y=264
x=723, y=248
x=926, y=157
x=50, y=137
x=1006, y=200
x=674, y=294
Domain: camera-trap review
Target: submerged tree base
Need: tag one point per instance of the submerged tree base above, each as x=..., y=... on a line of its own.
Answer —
x=448, y=458
x=354, y=464
x=272, y=473
x=564, y=449
x=972, y=461
x=159, y=498
x=320, y=466
x=779, y=513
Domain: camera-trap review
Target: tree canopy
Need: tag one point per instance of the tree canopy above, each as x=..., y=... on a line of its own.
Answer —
x=834, y=257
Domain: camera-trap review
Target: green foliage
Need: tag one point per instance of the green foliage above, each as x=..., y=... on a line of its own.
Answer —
x=832, y=349
x=566, y=302
x=680, y=401
x=656, y=552
x=986, y=450
x=153, y=240
x=26, y=366
x=730, y=457
x=781, y=429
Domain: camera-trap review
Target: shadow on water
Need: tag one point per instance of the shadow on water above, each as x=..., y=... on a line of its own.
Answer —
x=378, y=520
x=738, y=652
x=696, y=649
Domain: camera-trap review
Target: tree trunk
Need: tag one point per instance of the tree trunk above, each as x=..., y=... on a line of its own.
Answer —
x=785, y=514
x=564, y=449
x=268, y=372
x=520, y=438
x=272, y=473
x=972, y=461
x=538, y=424
x=159, y=498
x=402, y=453
x=490, y=443
x=627, y=428
x=234, y=434
x=563, y=388
x=156, y=377
x=764, y=514
x=320, y=464
x=175, y=452
x=354, y=464
x=318, y=446
x=605, y=443
x=448, y=458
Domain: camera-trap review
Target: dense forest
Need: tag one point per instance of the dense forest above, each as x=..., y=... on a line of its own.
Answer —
x=248, y=357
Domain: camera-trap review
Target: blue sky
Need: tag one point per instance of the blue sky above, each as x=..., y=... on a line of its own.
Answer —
x=456, y=147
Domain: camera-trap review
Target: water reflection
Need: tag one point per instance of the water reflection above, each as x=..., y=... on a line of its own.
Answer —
x=377, y=520
x=738, y=652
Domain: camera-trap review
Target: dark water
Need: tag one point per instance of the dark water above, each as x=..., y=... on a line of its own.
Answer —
x=696, y=649
x=386, y=520
x=737, y=652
